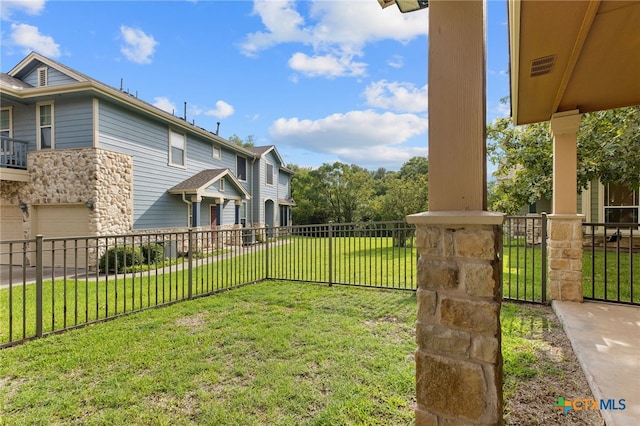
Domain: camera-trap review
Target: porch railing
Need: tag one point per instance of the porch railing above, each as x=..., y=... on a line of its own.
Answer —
x=13, y=153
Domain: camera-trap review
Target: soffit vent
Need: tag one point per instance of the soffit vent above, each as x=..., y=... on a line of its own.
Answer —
x=542, y=66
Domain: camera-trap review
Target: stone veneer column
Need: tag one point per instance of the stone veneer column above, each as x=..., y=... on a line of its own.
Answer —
x=459, y=357
x=564, y=248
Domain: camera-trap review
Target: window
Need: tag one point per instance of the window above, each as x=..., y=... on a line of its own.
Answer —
x=44, y=118
x=241, y=168
x=620, y=204
x=221, y=185
x=5, y=123
x=177, y=148
x=269, y=173
x=216, y=153
x=43, y=77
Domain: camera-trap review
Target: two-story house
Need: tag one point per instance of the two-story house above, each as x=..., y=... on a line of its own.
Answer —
x=79, y=157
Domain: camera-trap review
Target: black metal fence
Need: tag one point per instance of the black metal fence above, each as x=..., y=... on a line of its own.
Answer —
x=524, y=258
x=611, y=262
x=82, y=280
x=79, y=281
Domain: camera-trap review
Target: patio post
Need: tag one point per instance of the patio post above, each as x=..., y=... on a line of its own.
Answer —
x=459, y=356
x=565, y=225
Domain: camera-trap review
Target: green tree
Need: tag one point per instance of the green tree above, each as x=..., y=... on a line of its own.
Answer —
x=248, y=142
x=608, y=150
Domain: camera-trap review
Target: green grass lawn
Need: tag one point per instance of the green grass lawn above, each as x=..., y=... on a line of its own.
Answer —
x=70, y=302
x=270, y=353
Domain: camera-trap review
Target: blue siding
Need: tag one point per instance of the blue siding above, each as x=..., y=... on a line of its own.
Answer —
x=284, y=187
x=24, y=124
x=54, y=77
x=148, y=141
x=73, y=123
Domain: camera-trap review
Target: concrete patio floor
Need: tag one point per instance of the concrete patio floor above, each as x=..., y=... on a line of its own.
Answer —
x=606, y=340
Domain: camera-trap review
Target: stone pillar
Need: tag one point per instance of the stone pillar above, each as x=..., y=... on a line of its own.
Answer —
x=564, y=245
x=564, y=248
x=459, y=358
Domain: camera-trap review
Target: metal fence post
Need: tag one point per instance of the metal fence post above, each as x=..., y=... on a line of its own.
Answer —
x=190, y=274
x=39, y=248
x=543, y=236
x=266, y=253
x=330, y=253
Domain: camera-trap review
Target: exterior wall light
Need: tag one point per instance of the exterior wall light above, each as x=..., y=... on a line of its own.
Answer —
x=89, y=204
x=405, y=5
x=23, y=207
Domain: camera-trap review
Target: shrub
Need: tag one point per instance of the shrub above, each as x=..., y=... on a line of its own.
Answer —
x=152, y=253
x=118, y=259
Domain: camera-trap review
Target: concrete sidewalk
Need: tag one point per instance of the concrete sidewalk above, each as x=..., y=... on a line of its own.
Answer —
x=606, y=340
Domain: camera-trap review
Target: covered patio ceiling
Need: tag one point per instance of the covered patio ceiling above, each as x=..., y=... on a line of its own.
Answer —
x=572, y=55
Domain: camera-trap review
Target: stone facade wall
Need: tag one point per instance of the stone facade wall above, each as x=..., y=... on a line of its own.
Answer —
x=459, y=358
x=103, y=180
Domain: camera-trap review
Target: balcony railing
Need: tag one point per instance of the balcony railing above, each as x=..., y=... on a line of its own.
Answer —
x=13, y=153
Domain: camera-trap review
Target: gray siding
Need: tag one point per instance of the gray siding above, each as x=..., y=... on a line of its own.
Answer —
x=148, y=141
x=54, y=77
x=595, y=211
x=284, y=188
x=73, y=123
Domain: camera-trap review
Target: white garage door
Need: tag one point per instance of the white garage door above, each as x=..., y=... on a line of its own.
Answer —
x=11, y=229
x=62, y=221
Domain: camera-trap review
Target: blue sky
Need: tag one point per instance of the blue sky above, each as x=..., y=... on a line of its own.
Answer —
x=324, y=81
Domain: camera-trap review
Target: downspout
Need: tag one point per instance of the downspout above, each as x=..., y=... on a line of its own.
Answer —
x=253, y=162
x=189, y=208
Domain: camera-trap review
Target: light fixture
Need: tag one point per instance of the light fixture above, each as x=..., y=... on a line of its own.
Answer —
x=23, y=207
x=89, y=204
x=405, y=5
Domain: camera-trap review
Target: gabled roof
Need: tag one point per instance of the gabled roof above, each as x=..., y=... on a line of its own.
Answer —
x=261, y=151
x=198, y=183
x=33, y=60
x=85, y=83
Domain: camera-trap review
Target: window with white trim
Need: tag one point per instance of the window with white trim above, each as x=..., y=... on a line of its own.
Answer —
x=241, y=168
x=621, y=204
x=269, y=174
x=216, y=153
x=221, y=185
x=6, y=128
x=177, y=148
x=44, y=119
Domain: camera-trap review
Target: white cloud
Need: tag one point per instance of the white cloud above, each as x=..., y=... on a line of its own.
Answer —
x=138, y=47
x=282, y=23
x=164, y=104
x=222, y=110
x=29, y=37
x=30, y=7
x=339, y=28
x=326, y=65
x=396, y=61
x=396, y=96
x=354, y=136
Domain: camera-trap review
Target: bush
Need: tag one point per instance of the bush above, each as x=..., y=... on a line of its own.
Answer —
x=152, y=253
x=118, y=259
